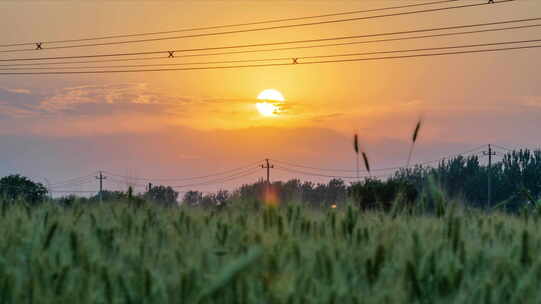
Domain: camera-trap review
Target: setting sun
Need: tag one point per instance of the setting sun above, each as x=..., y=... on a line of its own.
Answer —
x=269, y=107
x=271, y=94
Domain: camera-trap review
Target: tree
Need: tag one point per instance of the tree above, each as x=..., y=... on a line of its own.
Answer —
x=162, y=195
x=16, y=186
x=208, y=201
x=222, y=197
x=192, y=198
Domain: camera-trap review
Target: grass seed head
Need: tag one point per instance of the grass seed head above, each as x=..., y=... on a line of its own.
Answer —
x=416, y=131
x=366, y=163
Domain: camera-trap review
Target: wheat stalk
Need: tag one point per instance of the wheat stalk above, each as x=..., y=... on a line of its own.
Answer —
x=356, y=148
x=365, y=158
x=414, y=140
x=366, y=163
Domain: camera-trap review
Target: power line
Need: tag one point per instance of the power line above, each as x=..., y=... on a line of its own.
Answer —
x=285, y=58
x=78, y=180
x=503, y=148
x=144, y=65
x=278, y=64
x=71, y=191
x=74, y=184
x=168, y=53
x=321, y=45
x=328, y=169
x=286, y=166
x=451, y=156
x=248, y=171
x=40, y=44
x=313, y=173
x=325, y=175
x=221, y=180
x=377, y=169
x=247, y=166
x=225, y=26
x=86, y=61
x=252, y=51
x=126, y=182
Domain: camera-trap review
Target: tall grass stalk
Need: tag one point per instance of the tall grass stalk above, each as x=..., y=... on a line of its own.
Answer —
x=356, y=149
x=414, y=138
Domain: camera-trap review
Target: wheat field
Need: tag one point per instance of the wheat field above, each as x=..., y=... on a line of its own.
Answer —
x=120, y=253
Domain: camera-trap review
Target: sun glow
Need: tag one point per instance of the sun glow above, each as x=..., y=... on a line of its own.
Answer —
x=269, y=106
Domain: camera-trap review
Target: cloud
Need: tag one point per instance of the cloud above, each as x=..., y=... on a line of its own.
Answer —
x=17, y=103
x=531, y=101
x=325, y=117
x=17, y=91
x=10, y=111
x=90, y=109
x=122, y=107
x=108, y=96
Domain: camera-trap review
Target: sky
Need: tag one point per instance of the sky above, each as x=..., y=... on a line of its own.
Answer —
x=188, y=123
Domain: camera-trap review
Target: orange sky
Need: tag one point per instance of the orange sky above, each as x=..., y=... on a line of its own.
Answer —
x=466, y=100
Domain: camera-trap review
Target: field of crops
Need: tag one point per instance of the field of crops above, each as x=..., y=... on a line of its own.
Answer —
x=118, y=253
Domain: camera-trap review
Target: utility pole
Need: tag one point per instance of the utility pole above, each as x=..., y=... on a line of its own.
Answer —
x=101, y=177
x=267, y=197
x=268, y=167
x=490, y=153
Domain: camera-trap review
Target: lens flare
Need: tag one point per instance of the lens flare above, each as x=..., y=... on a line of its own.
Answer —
x=271, y=197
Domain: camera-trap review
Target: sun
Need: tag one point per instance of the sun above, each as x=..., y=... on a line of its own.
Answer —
x=271, y=94
x=270, y=102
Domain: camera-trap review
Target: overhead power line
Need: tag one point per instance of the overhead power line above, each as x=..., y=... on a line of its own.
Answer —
x=74, y=184
x=280, y=168
x=464, y=153
x=40, y=43
x=285, y=166
x=215, y=174
x=276, y=64
x=282, y=58
x=291, y=164
x=171, y=53
x=32, y=67
x=348, y=43
x=221, y=180
x=76, y=180
x=296, y=171
x=72, y=191
x=127, y=181
x=503, y=148
x=250, y=51
x=225, y=26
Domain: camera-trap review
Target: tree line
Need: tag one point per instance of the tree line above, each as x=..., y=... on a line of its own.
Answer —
x=515, y=179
